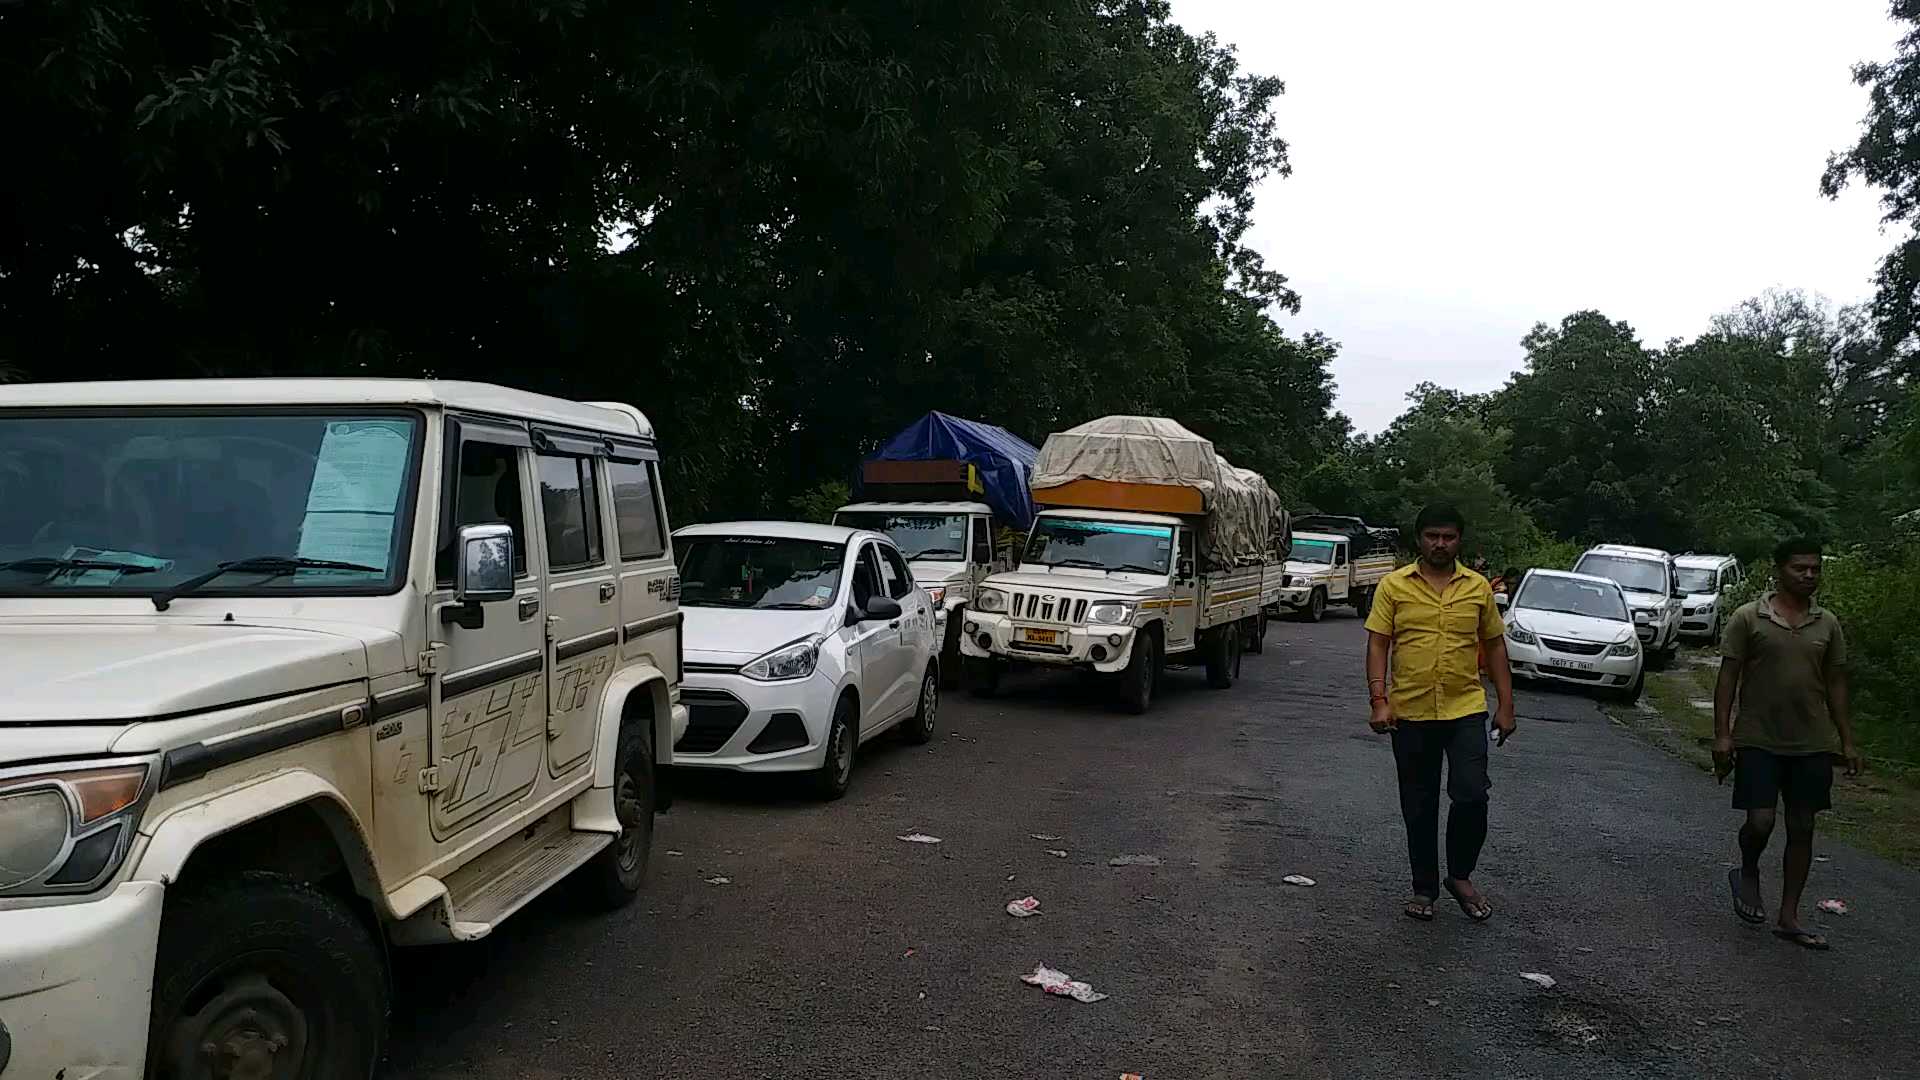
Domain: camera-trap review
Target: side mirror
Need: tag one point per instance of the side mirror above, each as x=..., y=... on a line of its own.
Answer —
x=881, y=609
x=482, y=574
x=1501, y=600
x=1185, y=569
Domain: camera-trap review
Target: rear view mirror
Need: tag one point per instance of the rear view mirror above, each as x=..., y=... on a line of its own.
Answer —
x=881, y=609
x=1501, y=601
x=1185, y=568
x=484, y=573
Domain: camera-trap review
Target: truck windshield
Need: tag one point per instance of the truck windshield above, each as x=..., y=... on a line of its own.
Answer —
x=935, y=537
x=768, y=573
x=1100, y=545
x=1640, y=575
x=1312, y=551
x=137, y=504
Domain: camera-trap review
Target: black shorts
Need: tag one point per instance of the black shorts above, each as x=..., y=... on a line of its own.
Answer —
x=1762, y=778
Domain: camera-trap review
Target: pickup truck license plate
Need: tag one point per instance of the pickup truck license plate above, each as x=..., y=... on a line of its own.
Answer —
x=1040, y=637
x=1571, y=665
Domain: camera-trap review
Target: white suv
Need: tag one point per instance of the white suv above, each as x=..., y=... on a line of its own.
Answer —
x=1648, y=578
x=1704, y=581
x=295, y=670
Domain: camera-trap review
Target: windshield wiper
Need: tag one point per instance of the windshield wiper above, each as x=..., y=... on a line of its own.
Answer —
x=789, y=606
x=270, y=565
x=935, y=551
x=1135, y=568
x=46, y=565
x=1080, y=564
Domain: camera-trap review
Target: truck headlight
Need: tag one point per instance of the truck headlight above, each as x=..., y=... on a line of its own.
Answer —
x=795, y=661
x=1629, y=647
x=63, y=830
x=1110, y=613
x=937, y=594
x=1520, y=635
x=990, y=601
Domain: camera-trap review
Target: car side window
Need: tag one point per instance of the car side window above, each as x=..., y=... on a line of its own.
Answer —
x=486, y=491
x=866, y=578
x=570, y=505
x=636, y=510
x=1340, y=555
x=899, y=578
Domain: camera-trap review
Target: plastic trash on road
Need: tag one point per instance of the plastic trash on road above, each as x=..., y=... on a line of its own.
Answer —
x=1134, y=860
x=1023, y=908
x=1833, y=907
x=918, y=838
x=719, y=881
x=1301, y=880
x=1056, y=853
x=1062, y=984
x=1544, y=982
x=1045, y=836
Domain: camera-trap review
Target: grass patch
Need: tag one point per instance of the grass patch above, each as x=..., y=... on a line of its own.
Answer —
x=1877, y=812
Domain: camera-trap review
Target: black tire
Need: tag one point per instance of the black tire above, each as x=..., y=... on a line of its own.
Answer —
x=614, y=877
x=267, y=971
x=1316, y=608
x=951, y=664
x=1141, y=677
x=1223, y=656
x=983, y=676
x=1257, y=639
x=918, y=730
x=832, y=779
x=1363, y=602
x=1630, y=694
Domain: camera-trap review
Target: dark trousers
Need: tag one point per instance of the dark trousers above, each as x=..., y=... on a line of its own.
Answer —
x=1418, y=747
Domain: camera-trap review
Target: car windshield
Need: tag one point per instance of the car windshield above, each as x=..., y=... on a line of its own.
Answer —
x=1640, y=575
x=1696, y=581
x=1100, y=545
x=938, y=537
x=137, y=504
x=1572, y=597
x=769, y=573
x=1312, y=551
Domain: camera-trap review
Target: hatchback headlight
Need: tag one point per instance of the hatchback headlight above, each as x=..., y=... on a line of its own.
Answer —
x=65, y=830
x=990, y=601
x=795, y=661
x=1110, y=613
x=1629, y=647
x=1520, y=635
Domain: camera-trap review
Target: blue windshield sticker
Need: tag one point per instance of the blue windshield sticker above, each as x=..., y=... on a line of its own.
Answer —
x=1110, y=527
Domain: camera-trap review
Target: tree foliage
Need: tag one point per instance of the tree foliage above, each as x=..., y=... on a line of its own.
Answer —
x=783, y=230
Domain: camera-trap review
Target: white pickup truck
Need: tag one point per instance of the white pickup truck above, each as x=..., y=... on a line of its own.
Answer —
x=949, y=549
x=1343, y=567
x=298, y=670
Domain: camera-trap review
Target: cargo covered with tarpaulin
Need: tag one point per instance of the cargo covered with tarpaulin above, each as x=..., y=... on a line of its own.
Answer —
x=945, y=457
x=1153, y=465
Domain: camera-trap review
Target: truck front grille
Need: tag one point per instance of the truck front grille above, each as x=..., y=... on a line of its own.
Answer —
x=1046, y=607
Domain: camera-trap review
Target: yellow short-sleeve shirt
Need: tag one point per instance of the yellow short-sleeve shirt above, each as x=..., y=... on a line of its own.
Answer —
x=1436, y=639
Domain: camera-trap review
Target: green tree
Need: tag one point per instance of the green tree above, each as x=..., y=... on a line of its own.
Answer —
x=1446, y=449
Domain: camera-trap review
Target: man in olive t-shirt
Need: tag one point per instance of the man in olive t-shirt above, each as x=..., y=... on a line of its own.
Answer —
x=1784, y=658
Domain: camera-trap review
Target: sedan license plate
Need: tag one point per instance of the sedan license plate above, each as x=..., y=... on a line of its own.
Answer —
x=1040, y=637
x=1573, y=665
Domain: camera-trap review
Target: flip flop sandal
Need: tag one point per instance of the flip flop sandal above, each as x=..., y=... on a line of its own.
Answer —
x=1486, y=909
x=1752, y=915
x=1419, y=908
x=1806, y=939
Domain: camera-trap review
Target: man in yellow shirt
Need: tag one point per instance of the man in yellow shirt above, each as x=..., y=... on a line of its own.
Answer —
x=1431, y=620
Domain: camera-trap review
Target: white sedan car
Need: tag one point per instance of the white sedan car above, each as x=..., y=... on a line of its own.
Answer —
x=1578, y=629
x=802, y=642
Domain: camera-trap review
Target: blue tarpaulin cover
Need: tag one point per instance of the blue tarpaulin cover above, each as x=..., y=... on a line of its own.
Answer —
x=1003, y=460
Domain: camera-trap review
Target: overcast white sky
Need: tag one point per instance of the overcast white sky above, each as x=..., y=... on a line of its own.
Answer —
x=1463, y=171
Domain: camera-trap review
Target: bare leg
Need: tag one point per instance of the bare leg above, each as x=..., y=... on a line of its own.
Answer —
x=1753, y=843
x=1799, y=857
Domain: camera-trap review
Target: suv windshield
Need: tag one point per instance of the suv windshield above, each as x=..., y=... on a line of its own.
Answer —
x=1311, y=551
x=1100, y=545
x=1570, y=597
x=765, y=572
x=937, y=537
x=1640, y=575
x=1696, y=581
x=138, y=504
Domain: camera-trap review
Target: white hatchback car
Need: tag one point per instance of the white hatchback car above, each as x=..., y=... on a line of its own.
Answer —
x=1575, y=628
x=802, y=642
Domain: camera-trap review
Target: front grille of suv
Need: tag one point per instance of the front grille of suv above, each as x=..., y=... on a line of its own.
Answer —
x=1046, y=607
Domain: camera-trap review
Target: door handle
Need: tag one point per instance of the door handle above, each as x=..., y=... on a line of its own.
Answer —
x=529, y=607
x=606, y=591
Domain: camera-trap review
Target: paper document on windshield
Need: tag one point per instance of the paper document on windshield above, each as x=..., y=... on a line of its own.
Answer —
x=106, y=577
x=355, y=491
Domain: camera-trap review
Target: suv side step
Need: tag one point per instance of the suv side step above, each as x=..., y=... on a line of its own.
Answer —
x=483, y=893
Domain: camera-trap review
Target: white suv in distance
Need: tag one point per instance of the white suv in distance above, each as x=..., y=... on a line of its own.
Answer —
x=803, y=642
x=1647, y=577
x=1704, y=581
x=1575, y=628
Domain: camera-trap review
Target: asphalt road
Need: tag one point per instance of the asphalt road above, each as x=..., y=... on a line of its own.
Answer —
x=837, y=951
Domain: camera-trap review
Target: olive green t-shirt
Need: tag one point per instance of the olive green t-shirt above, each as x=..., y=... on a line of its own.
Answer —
x=1783, y=677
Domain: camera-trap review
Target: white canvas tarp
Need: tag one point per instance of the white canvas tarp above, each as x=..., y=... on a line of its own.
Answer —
x=1243, y=512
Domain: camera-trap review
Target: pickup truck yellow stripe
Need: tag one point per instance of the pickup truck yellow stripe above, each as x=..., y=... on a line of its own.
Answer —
x=1156, y=604
x=1228, y=598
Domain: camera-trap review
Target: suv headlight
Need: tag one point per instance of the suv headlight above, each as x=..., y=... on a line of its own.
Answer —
x=66, y=829
x=1110, y=613
x=1629, y=647
x=1520, y=635
x=990, y=601
x=795, y=661
x=1642, y=615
